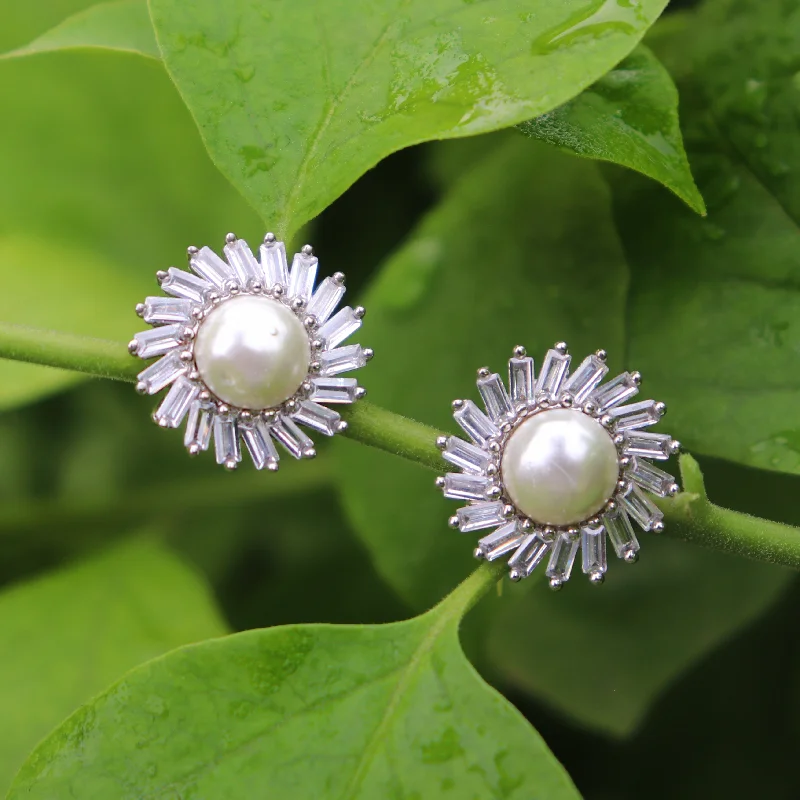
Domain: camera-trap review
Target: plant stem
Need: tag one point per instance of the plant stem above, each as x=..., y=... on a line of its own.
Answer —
x=690, y=515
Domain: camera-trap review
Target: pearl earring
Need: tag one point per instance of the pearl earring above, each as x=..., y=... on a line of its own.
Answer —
x=250, y=349
x=556, y=463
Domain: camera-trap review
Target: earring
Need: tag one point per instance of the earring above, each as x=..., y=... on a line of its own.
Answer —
x=250, y=350
x=556, y=463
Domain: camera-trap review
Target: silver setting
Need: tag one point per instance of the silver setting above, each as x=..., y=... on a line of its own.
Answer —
x=214, y=280
x=526, y=541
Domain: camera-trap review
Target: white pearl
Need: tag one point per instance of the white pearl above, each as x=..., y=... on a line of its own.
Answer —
x=560, y=467
x=252, y=352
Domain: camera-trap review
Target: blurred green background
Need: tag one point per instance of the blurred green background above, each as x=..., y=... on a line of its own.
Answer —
x=104, y=180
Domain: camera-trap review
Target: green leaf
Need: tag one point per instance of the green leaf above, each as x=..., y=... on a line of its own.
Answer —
x=398, y=706
x=296, y=100
x=95, y=210
x=523, y=251
x=714, y=308
x=629, y=117
x=67, y=635
x=119, y=25
x=57, y=297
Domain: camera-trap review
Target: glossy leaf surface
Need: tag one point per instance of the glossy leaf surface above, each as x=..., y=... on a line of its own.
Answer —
x=304, y=711
x=297, y=100
x=629, y=117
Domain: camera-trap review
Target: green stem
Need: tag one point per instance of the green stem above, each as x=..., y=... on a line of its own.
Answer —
x=689, y=516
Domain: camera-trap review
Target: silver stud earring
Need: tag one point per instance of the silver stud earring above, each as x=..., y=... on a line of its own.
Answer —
x=250, y=349
x=557, y=462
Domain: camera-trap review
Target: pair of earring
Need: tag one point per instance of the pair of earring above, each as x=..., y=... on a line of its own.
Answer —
x=251, y=349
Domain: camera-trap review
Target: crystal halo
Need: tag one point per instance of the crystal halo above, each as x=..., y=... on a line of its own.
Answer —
x=615, y=483
x=249, y=339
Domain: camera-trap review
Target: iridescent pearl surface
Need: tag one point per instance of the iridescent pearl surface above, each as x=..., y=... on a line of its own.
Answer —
x=252, y=352
x=560, y=467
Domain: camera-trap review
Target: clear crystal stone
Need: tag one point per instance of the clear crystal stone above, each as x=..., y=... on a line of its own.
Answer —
x=585, y=378
x=209, y=266
x=502, y=541
x=647, y=445
x=325, y=299
x=157, y=341
x=166, y=310
x=162, y=372
x=641, y=508
x=636, y=415
x=176, y=403
x=620, y=531
x=333, y=390
x=302, y=276
x=520, y=379
x=593, y=549
x=551, y=376
x=342, y=359
x=616, y=391
x=226, y=440
x=198, y=428
x=495, y=397
x=459, y=486
x=651, y=478
x=180, y=283
x=475, y=423
x=273, y=264
x=562, y=558
x=290, y=436
x=342, y=324
x=244, y=263
x=324, y=420
x=465, y=455
x=530, y=554
x=480, y=515
x=255, y=434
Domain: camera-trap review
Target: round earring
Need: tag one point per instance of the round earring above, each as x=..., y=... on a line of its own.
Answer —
x=250, y=349
x=555, y=464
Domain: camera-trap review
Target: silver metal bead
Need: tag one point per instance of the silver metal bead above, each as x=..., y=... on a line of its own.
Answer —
x=520, y=351
x=269, y=238
x=515, y=575
x=561, y=347
x=636, y=377
x=161, y=276
x=484, y=372
x=658, y=526
x=439, y=482
x=141, y=387
x=494, y=493
x=193, y=449
x=441, y=442
x=339, y=278
x=478, y=553
x=230, y=238
x=556, y=584
x=341, y=426
x=596, y=577
x=661, y=408
x=673, y=489
x=360, y=393
x=307, y=250
x=453, y=522
x=133, y=347
x=140, y=309
x=309, y=452
x=368, y=353
x=359, y=312
x=456, y=404
x=630, y=557
x=674, y=446
x=230, y=464
x=601, y=354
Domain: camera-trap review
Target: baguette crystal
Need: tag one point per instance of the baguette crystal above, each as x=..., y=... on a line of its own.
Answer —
x=273, y=264
x=302, y=276
x=322, y=419
x=167, y=310
x=157, y=341
x=342, y=359
x=161, y=373
x=244, y=264
x=585, y=378
x=209, y=266
x=475, y=423
x=342, y=324
x=505, y=539
x=495, y=397
x=520, y=380
x=463, y=486
x=551, y=376
x=479, y=515
x=180, y=283
x=176, y=403
x=325, y=299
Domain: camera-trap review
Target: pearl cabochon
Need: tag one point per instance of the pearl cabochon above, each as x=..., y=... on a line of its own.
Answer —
x=560, y=467
x=252, y=352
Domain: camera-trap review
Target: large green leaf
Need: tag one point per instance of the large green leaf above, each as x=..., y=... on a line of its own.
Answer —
x=304, y=711
x=297, y=100
x=629, y=117
x=105, y=180
x=67, y=635
x=118, y=25
x=523, y=250
x=714, y=309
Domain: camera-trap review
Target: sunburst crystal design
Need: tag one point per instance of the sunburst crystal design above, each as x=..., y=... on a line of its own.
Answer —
x=250, y=348
x=558, y=461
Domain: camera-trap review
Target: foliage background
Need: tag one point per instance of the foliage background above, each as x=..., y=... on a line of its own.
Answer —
x=678, y=678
